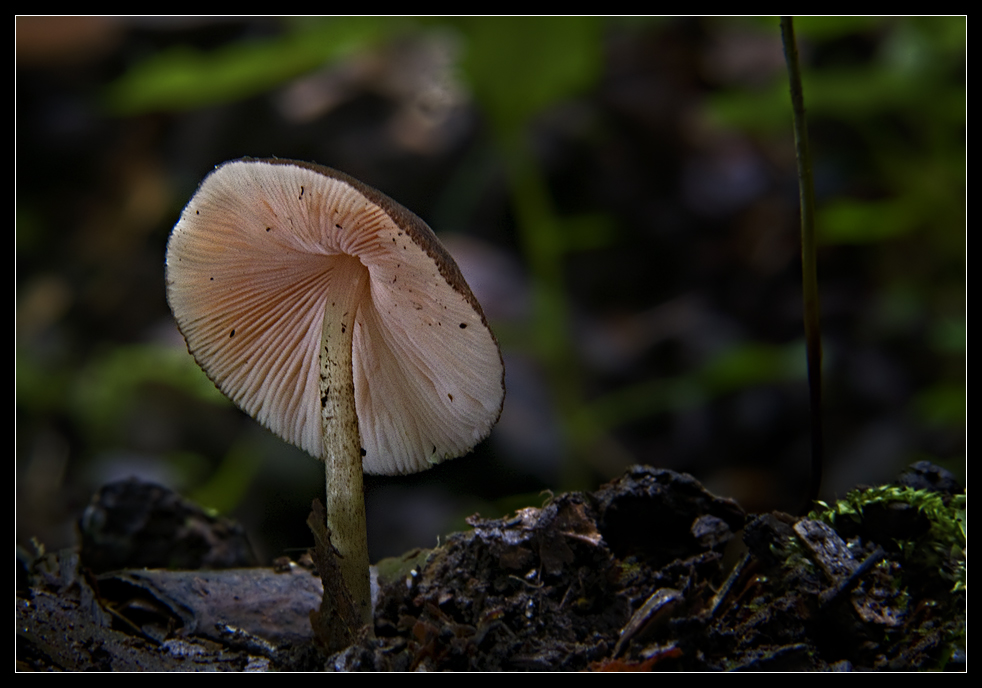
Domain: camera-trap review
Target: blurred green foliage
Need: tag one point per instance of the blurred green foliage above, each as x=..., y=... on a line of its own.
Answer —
x=519, y=66
x=903, y=107
x=112, y=382
x=184, y=78
x=907, y=108
x=99, y=394
x=743, y=366
x=227, y=486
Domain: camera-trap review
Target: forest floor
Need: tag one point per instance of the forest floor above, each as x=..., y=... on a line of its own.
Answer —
x=650, y=572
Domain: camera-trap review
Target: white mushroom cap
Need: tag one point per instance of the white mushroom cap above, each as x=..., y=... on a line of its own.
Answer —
x=249, y=272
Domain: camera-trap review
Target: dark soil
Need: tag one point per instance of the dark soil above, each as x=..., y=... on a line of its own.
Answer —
x=651, y=572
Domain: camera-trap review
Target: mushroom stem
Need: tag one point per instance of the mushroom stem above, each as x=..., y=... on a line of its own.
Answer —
x=342, y=441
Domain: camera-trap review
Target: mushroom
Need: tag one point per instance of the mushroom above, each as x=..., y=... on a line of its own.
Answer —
x=334, y=317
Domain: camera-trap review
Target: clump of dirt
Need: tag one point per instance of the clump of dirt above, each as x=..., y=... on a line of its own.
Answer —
x=552, y=587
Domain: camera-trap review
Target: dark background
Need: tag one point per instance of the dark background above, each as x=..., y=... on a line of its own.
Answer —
x=620, y=194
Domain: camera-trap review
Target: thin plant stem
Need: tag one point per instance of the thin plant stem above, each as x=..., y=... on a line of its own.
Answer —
x=809, y=276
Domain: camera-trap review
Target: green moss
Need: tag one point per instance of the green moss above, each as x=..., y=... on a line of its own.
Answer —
x=942, y=548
